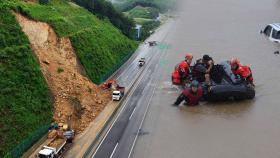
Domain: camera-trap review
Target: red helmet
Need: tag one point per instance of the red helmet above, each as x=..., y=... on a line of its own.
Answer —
x=234, y=61
x=189, y=56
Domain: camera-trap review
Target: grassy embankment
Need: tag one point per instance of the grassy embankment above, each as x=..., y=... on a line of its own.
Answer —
x=25, y=103
x=145, y=12
x=99, y=45
x=162, y=5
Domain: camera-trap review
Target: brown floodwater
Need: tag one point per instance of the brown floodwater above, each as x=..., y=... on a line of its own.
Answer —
x=246, y=129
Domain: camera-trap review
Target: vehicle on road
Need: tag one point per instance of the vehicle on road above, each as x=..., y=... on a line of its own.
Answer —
x=56, y=147
x=272, y=31
x=141, y=62
x=118, y=93
x=152, y=43
x=224, y=84
x=109, y=84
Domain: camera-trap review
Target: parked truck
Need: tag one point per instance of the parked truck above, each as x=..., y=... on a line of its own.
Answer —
x=118, y=93
x=56, y=147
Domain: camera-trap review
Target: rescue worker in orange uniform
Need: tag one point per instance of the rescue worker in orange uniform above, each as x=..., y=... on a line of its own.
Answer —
x=191, y=95
x=184, y=67
x=181, y=73
x=243, y=71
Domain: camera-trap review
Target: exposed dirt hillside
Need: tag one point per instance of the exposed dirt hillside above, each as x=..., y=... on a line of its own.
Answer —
x=74, y=94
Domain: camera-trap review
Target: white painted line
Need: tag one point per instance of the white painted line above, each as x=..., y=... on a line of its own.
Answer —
x=126, y=101
x=134, y=88
x=114, y=150
x=141, y=124
x=126, y=68
x=132, y=64
x=143, y=118
x=108, y=131
x=132, y=112
x=142, y=46
x=136, y=51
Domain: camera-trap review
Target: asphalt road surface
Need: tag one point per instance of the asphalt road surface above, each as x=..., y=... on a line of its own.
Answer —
x=121, y=136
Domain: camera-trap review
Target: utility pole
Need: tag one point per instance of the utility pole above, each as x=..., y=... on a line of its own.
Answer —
x=92, y=4
x=138, y=28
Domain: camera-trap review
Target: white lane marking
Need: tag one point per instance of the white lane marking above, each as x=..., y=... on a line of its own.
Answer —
x=141, y=124
x=126, y=101
x=143, y=118
x=132, y=91
x=145, y=89
x=136, y=51
x=132, y=112
x=114, y=150
x=142, y=46
x=147, y=55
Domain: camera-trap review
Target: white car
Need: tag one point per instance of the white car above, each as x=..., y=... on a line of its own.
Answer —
x=117, y=95
x=272, y=31
x=141, y=62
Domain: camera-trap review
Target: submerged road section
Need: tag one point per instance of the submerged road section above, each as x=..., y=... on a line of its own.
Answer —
x=246, y=129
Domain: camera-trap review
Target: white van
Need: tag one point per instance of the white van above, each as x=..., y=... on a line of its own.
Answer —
x=272, y=31
x=117, y=95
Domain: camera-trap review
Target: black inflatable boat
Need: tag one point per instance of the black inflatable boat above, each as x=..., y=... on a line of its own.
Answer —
x=224, y=84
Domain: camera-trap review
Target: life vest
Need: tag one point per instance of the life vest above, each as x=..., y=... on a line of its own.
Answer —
x=176, y=78
x=245, y=72
x=184, y=66
x=193, y=99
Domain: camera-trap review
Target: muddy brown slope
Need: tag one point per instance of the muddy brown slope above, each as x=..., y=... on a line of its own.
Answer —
x=74, y=94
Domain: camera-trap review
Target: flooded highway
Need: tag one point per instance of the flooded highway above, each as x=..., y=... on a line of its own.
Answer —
x=246, y=129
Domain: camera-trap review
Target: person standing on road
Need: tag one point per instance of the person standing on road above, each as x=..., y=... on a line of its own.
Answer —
x=191, y=95
x=243, y=71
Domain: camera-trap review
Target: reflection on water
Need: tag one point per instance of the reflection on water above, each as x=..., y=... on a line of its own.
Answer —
x=227, y=110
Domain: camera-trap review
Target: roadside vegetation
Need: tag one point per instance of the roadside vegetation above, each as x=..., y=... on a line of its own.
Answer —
x=143, y=12
x=148, y=27
x=162, y=5
x=105, y=10
x=147, y=13
x=99, y=46
x=25, y=100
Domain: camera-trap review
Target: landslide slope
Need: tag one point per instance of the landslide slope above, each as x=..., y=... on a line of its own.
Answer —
x=86, y=47
x=99, y=45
